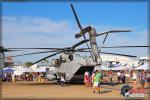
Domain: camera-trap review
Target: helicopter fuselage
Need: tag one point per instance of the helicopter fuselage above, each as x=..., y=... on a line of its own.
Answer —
x=73, y=66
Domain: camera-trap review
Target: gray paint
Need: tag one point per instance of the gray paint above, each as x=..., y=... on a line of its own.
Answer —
x=1, y=64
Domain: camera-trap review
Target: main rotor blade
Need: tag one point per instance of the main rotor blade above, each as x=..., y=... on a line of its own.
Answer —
x=37, y=48
x=109, y=53
x=80, y=43
x=77, y=20
x=113, y=31
x=126, y=47
x=76, y=17
x=32, y=53
x=47, y=57
x=139, y=46
x=2, y=49
x=78, y=35
x=7, y=50
x=57, y=49
x=119, y=54
x=105, y=38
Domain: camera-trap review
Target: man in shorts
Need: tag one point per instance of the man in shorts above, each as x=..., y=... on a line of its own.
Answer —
x=96, y=84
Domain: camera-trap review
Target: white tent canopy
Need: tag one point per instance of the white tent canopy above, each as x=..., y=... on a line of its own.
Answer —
x=105, y=68
x=25, y=70
x=34, y=66
x=97, y=68
x=114, y=68
x=143, y=67
x=121, y=68
x=41, y=69
x=20, y=71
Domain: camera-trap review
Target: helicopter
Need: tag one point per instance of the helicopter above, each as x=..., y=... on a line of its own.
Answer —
x=70, y=62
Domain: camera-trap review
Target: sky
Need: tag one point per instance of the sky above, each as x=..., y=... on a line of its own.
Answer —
x=52, y=24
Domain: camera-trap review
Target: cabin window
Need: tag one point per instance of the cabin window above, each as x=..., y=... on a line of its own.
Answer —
x=71, y=57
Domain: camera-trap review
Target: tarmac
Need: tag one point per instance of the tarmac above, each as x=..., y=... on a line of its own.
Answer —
x=29, y=90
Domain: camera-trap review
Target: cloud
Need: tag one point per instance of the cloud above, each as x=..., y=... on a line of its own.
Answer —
x=33, y=25
x=28, y=31
x=36, y=32
x=33, y=31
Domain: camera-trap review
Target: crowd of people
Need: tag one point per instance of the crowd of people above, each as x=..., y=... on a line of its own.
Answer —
x=12, y=77
x=95, y=78
x=141, y=76
x=91, y=79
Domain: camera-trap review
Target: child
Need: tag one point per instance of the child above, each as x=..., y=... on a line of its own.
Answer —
x=62, y=79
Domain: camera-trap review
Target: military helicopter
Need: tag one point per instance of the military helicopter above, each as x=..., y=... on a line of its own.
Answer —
x=70, y=62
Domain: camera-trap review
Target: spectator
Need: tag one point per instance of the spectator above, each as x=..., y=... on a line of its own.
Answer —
x=13, y=78
x=142, y=79
x=119, y=76
x=62, y=79
x=111, y=76
x=97, y=79
x=58, y=78
x=92, y=78
x=123, y=78
x=134, y=79
x=87, y=78
x=148, y=76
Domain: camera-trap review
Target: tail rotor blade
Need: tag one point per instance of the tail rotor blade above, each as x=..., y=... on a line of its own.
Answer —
x=80, y=43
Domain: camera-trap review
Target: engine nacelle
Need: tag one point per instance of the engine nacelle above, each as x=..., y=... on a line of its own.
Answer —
x=66, y=57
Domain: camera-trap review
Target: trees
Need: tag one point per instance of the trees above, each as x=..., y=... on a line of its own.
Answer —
x=28, y=64
x=45, y=62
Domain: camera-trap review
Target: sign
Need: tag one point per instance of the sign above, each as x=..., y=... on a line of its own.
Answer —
x=129, y=93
